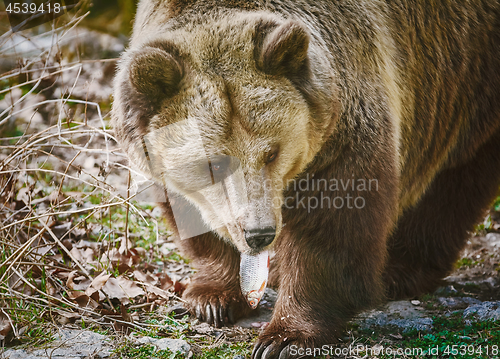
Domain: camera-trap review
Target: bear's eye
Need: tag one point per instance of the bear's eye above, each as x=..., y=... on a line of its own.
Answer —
x=271, y=156
x=220, y=167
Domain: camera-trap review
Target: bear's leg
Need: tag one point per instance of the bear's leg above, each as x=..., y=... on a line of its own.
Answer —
x=330, y=264
x=214, y=294
x=430, y=236
x=319, y=292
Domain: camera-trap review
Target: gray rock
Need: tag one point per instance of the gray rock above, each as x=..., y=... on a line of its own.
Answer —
x=448, y=290
x=174, y=345
x=401, y=314
x=493, y=239
x=203, y=328
x=81, y=344
x=68, y=344
x=374, y=318
x=480, y=283
x=470, y=300
x=483, y=311
x=422, y=324
x=450, y=303
x=23, y=354
x=457, y=302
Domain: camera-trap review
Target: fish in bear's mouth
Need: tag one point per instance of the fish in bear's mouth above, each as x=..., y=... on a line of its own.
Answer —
x=254, y=271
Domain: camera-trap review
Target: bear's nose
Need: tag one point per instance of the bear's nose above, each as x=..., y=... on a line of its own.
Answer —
x=259, y=238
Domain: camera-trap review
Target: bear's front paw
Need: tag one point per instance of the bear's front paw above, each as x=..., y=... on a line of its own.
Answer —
x=214, y=304
x=281, y=346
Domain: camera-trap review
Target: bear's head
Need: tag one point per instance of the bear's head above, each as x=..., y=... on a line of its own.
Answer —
x=223, y=112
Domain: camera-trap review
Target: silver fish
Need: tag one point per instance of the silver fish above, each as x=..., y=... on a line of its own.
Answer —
x=254, y=271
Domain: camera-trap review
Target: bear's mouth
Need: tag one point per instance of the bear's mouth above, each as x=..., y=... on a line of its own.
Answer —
x=254, y=272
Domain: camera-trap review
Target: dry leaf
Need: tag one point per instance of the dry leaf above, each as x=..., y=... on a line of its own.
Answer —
x=83, y=300
x=74, y=294
x=125, y=246
x=122, y=268
x=130, y=287
x=67, y=318
x=4, y=325
x=23, y=195
x=77, y=254
x=138, y=252
x=97, y=283
x=62, y=274
x=69, y=282
x=145, y=277
x=165, y=281
x=77, y=282
x=88, y=255
x=87, y=244
x=179, y=288
x=115, y=258
x=123, y=261
x=126, y=316
x=122, y=288
x=49, y=288
x=159, y=292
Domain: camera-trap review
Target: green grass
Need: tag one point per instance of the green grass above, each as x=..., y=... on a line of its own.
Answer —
x=485, y=226
x=228, y=351
x=11, y=131
x=225, y=351
x=453, y=337
x=33, y=322
x=146, y=351
x=466, y=263
x=33, y=315
x=496, y=204
x=177, y=257
x=168, y=327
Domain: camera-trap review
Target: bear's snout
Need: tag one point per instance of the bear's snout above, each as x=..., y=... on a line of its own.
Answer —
x=259, y=238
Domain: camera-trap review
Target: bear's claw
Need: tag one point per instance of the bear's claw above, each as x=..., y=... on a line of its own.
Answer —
x=214, y=314
x=273, y=350
x=215, y=305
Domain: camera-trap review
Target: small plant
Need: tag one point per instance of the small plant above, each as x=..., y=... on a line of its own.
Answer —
x=146, y=351
x=496, y=204
x=465, y=263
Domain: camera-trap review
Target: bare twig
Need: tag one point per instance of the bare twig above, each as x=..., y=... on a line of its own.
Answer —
x=63, y=247
x=19, y=253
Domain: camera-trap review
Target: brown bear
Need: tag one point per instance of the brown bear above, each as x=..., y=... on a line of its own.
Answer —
x=358, y=139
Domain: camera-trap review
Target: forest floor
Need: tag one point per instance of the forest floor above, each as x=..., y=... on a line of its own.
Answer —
x=461, y=319
x=89, y=269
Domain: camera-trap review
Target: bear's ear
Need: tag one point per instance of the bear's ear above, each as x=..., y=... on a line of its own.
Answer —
x=155, y=73
x=283, y=50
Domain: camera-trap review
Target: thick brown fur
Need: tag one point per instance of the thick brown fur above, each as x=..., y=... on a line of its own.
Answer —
x=404, y=92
